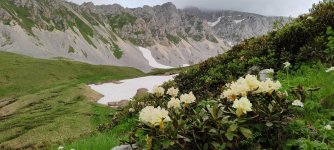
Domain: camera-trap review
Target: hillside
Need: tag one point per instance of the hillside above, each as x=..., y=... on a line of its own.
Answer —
x=306, y=39
x=222, y=103
x=43, y=102
x=111, y=34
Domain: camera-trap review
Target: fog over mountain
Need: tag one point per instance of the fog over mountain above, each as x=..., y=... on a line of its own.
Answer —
x=264, y=7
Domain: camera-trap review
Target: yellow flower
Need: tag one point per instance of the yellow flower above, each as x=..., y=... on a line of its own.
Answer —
x=242, y=105
x=188, y=98
x=269, y=86
x=158, y=91
x=252, y=82
x=173, y=91
x=153, y=116
x=174, y=103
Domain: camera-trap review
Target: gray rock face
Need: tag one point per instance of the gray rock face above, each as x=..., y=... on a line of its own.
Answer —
x=234, y=26
x=95, y=34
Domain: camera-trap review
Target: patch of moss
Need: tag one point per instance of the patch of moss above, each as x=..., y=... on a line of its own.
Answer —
x=118, y=21
x=174, y=39
x=71, y=49
x=117, y=52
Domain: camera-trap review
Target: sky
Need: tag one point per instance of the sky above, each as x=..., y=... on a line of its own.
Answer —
x=291, y=8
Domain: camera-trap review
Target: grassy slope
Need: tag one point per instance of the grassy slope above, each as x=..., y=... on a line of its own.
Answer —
x=47, y=101
x=318, y=110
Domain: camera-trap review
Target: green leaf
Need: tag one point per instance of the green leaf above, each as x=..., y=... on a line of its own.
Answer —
x=232, y=127
x=246, y=132
x=206, y=146
x=229, y=135
x=269, y=124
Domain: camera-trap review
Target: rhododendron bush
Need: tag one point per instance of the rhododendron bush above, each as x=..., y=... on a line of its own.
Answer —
x=249, y=114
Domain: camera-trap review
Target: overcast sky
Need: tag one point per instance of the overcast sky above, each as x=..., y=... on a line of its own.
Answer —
x=265, y=7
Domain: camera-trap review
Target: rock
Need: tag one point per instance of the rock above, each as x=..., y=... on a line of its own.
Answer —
x=119, y=104
x=112, y=103
x=122, y=103
x=265, y=74
x=141, y=91
x=124, y=147
x=253, y=70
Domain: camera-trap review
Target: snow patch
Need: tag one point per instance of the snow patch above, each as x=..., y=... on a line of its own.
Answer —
x=114, y=92
x=212, y=24
x=238, y=21
x=151, y=61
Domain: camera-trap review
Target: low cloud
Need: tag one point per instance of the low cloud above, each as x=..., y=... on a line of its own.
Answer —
x=264, y=7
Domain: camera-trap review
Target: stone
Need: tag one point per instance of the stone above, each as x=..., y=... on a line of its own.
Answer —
x=141, y=92
x=124, y=147
x=122, y=103
x=266, y=74
x=112, y=103
x=253, y=70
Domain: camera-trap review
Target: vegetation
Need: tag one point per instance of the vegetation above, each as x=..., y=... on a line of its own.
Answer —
x=174, y=39
x=118, y=21
x=71, y=50
x=23, y=15
x=273, y=120
x=43, y=102
x=304, y=40
x=219, y=106
x=84, y=29
x=117, y=52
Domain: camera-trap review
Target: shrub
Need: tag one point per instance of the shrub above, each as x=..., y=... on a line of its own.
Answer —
x=254, y=117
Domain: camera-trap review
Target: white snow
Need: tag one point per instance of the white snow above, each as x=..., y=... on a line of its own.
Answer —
x=238, y=21
x=212, y=24
x=127, y=88
x=185, y=65
x=151, y=61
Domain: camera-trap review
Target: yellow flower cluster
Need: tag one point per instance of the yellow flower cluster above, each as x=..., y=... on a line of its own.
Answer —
x=174, y=103
x=153, y=116
x=173, y=91
x=188, y=98
x=158, y=91
x=249, y=84
x=242, y=105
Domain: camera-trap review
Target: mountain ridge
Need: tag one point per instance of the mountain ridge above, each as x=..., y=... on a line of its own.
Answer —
x=112, y=34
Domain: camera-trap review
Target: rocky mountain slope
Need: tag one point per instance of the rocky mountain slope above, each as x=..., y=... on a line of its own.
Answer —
x=113, y=35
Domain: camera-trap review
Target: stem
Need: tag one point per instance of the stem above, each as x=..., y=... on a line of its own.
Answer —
x=323, y=140
x=287, y=76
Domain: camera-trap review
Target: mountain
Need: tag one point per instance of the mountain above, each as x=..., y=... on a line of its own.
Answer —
x=113, y=35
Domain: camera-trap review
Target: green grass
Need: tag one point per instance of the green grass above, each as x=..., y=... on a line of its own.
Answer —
x=71, y=50
x=174, y=39
x=312, y=77
x=117, y=52
x=118, y=21
x=306, y=131
x=43, y=102
x=105, y=140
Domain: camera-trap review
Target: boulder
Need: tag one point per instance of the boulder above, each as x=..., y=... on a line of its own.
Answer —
x=112, y=103
x=124, y=147
x=122, y=103
x=253, y=70
x=265, y=74
x=141, y=91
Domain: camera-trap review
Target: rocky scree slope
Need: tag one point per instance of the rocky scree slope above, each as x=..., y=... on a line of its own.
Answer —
x=112, y=35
